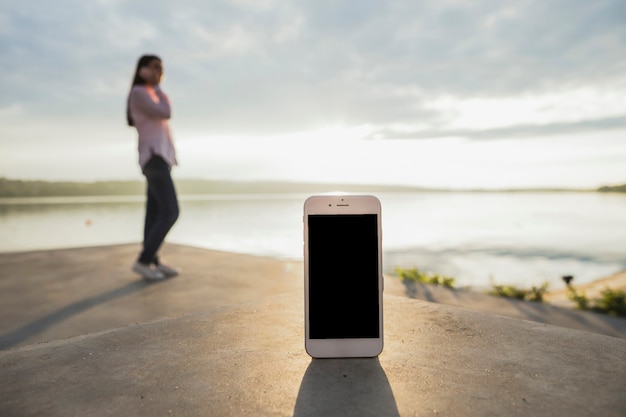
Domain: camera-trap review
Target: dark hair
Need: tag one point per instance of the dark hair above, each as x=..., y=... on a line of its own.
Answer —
x=144, y=61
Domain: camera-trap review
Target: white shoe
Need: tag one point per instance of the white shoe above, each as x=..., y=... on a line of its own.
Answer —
x=148, y=273
x=168, y=271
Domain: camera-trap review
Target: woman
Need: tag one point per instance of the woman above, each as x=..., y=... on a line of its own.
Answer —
x=148, y=109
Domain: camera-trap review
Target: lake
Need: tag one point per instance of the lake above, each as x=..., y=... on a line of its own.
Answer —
x=519, y=238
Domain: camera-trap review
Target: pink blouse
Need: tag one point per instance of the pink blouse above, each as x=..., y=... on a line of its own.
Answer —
x=150, y=111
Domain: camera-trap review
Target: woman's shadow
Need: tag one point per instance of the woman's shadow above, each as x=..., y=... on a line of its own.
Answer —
x=40, y=325
x=345, y=387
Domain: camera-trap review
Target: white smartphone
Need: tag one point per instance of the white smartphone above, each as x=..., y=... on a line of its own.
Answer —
x=343, y=280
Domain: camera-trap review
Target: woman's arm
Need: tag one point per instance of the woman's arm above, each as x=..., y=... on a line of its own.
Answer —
x=144, y=102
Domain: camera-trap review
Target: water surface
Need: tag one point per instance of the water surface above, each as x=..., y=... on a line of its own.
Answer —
x=518, y=238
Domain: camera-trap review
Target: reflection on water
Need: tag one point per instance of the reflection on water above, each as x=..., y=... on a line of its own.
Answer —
x=46, y=223
x=518, y=238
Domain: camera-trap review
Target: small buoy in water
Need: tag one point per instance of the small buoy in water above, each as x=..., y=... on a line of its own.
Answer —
x=88, y=222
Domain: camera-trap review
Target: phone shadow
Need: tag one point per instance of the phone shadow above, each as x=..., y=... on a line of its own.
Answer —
x=345, y=387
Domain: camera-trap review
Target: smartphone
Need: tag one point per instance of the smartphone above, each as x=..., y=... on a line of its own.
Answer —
x=343, y=281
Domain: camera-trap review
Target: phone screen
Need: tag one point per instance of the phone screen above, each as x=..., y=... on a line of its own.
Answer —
x=343, y=276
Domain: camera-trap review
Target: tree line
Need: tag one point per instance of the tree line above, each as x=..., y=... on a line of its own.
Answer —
x=39, y=188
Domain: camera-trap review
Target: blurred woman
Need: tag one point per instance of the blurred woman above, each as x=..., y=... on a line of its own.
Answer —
x=148, y=110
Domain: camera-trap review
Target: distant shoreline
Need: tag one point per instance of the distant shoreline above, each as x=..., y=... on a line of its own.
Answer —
x=10, y=188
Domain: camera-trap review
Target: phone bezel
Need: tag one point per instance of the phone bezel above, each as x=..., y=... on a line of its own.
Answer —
x=342, y=204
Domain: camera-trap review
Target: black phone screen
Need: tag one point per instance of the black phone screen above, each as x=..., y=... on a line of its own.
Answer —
x=343, y=276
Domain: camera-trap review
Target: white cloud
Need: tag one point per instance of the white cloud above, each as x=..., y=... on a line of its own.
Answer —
x=527, y=109
x=10, y=111
x=259, y=5
x=289, y=31
x=235, y=40
x=273, y=68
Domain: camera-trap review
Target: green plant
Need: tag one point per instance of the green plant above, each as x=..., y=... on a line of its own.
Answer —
x=447, y=282
x=510, y=291
x=414, y=274
x=581, y=300
x=537, y=293
x=507, y=291
x=612, y=302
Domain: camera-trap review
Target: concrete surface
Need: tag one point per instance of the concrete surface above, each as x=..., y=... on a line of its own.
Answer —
x=48, y=295
x=546, y=313
x=226, y=339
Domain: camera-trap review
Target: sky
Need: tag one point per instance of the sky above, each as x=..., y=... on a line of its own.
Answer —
x=447, y=93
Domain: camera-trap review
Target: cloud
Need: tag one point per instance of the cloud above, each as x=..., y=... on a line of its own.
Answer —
x=10, y=111
x=247, y=67
x=517, y=131
x=517, y=116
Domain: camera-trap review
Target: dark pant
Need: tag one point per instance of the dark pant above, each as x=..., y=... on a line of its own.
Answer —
x=161, y=208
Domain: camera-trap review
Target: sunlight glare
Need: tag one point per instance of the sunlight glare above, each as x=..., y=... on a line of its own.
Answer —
x=558, y=107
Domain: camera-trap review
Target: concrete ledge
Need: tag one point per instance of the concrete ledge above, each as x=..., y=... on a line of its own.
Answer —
x=526, y=310
x=48, y=295
x=84, y=336
x=249, y=360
